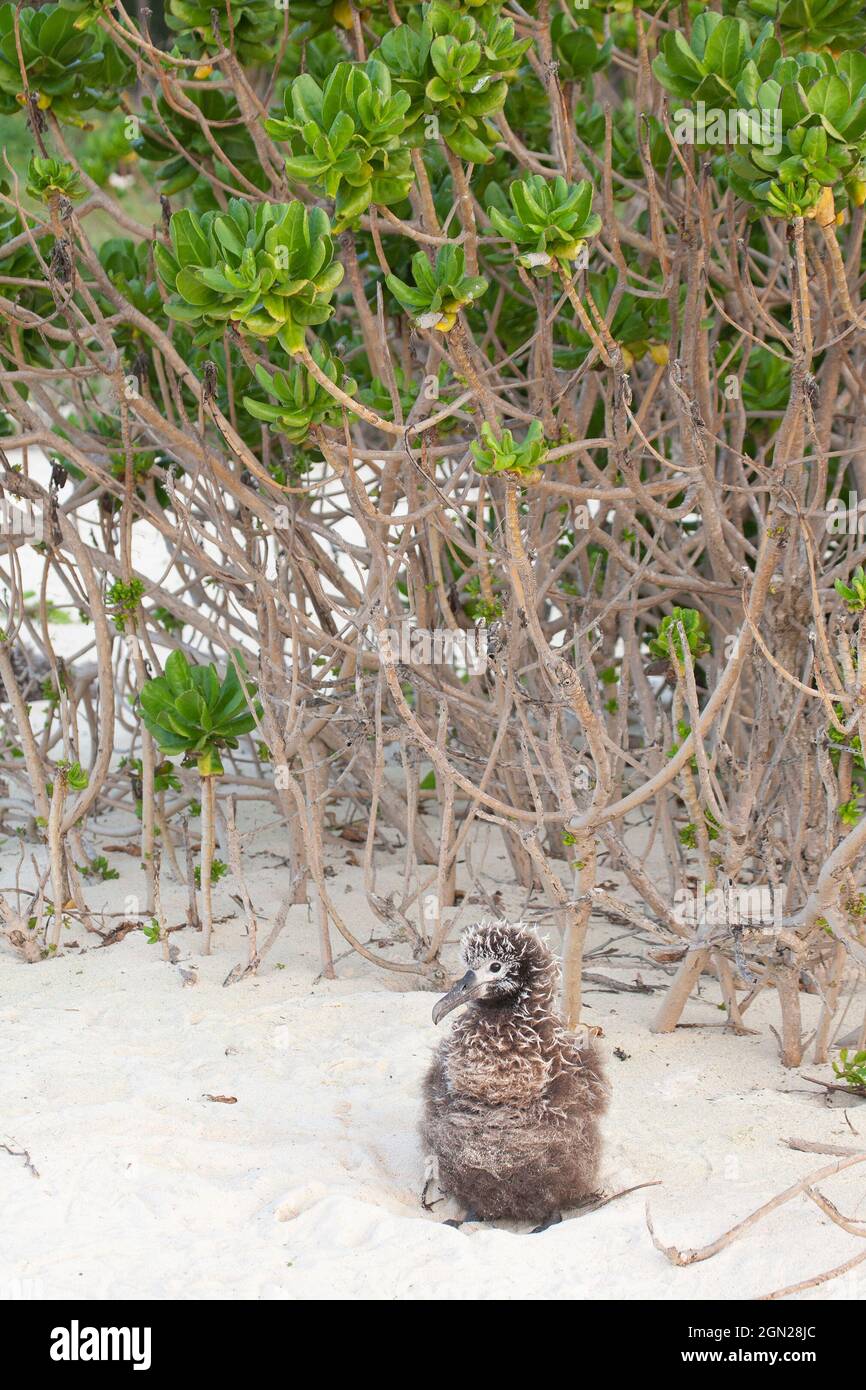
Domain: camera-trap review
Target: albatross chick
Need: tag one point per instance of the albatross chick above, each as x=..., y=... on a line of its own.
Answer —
x=512, y=1099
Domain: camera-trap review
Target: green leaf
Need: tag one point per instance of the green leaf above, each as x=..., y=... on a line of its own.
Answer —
x=725, y=50
x=177, y=673
x=190, y=245
x=829, y=97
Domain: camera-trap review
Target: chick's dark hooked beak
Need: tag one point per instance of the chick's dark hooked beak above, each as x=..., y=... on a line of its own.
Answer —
x=461, y=993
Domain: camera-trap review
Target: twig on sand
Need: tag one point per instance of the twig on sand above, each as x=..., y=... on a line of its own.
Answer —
x=817, y=1279
x=853, y=1228
x=859, y=1091
x=194, y=919
x=615, y=986
x=848, y=1223
x=234, y=845
x=603, y=1201
x=22, y=1153
x=241, y=970
x=706, y=1252
x=809, y=1146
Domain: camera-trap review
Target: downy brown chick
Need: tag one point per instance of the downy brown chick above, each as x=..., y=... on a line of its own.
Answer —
x=512, y=1099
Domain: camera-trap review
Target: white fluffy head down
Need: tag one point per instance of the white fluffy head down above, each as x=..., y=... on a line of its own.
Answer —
x=514, y=955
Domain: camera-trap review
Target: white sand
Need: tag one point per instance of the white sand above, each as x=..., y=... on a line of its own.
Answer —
x=309, y=1185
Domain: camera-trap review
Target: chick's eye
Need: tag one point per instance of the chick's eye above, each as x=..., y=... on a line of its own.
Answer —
x=495, y=968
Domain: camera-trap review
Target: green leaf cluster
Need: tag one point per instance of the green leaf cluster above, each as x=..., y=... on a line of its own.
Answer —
x=667, y=642
x=820, y=103
x=803, y=24
x=165, y=130
x=577, y=49
x=851, y=1067
x=300, y=401
x=346, y=137
x=718, y=56
x=123, y=601
x=800, y=119
x=440, y=290
x=190, y=711
x=551, y=223
x=48, y=179
x=253, y=30
x=455, y=67
x=854, y=592
x=70, y=71
x=269, y=269
x=505, y=455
